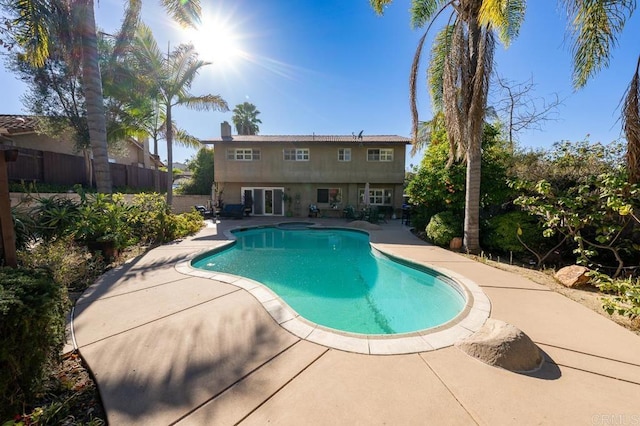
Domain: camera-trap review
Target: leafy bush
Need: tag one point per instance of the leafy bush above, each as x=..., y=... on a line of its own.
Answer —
x=567, y=164
x=24, y=227
x=438, y=186
x=501, y=232
x=420, y=216
x=202, y=177
x=153, y=223
x=42, y=188
x=149, y=218
x=184, y=224
x=71, y=265
x=625, y=299
x=55, y=217
x=104, y=218
x=443, y=227
x=32, y=321
x=596, y=216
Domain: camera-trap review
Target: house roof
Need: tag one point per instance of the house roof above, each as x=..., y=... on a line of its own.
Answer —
x=16, y=124
x=320, y=139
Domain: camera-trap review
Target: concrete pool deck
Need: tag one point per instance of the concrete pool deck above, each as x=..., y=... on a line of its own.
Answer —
x=169, y=348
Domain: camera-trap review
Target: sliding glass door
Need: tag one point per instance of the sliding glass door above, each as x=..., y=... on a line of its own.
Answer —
x=264, y=201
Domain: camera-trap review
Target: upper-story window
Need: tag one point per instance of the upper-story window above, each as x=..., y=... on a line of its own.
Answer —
x=380, y=154
x=296, y=154
x=243, y=154
x=344, y=154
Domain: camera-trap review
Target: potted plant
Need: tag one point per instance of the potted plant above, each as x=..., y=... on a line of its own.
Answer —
x=289, y=200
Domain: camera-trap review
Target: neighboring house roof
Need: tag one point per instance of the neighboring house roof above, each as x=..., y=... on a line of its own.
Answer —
x=319, y=139
x=16, y=124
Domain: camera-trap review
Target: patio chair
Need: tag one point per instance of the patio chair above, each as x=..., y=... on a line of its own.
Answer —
x=205, y=212
x=313, y=210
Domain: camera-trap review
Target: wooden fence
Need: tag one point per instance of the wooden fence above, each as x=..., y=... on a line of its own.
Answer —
x=63, y=169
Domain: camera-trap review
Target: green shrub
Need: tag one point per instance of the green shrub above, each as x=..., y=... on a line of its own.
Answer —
x=32, y=321
x=70, y=264
x=202, y=174
x=104, y=218
x=624, y=294
x=149, y=218
x=24, y=227
x=500, y=233
x=184, y=224
x=420, y=216
x=55, y=217
x=443, y=227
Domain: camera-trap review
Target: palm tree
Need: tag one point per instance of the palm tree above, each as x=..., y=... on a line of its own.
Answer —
x=631, y=126
x=245, y=118
x=595, y=25
x=459, y=71
x=174, y=75
x=32, y=31
x=461, y=65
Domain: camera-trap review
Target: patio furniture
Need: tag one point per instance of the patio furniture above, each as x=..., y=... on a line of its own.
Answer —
x=313, y=210
x=235, y=211
x=406, y=215
x=205, y=212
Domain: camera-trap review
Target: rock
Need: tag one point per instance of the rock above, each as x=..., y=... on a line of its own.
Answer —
x=572, y=276
x=455, y=243
x=502, y=345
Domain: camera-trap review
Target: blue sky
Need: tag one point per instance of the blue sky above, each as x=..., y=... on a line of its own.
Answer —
x=335, y=67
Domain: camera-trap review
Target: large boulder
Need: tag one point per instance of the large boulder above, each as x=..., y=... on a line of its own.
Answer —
x=503, y=345
x=572, y=276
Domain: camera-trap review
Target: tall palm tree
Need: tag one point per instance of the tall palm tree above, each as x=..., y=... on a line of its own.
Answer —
x=174, y=75
x=459, y=71
x=461, y=64
x=631, y=126
x=595, y=26
x=32, y=31
x=245, y=118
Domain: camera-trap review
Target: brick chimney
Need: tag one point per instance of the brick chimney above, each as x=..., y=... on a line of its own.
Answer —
x=225, y=130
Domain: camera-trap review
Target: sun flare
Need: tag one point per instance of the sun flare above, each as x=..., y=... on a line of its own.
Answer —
x=216, y=41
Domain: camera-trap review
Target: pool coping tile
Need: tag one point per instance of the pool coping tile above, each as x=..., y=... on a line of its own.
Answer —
x=470, y=320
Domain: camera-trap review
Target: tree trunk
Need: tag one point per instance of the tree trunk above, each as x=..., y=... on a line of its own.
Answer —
x=7, y=232
x=169, y=156
x=156, y=172
x=94, y=100
x=472, y=199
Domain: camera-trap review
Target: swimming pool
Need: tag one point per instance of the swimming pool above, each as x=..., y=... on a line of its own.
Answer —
x=334, y=278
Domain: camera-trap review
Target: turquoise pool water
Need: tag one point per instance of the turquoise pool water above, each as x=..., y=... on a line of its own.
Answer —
x=334, y=278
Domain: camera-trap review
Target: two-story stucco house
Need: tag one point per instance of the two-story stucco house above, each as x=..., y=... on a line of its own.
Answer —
x=283, y=175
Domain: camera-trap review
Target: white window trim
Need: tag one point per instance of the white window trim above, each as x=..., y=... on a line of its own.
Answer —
x=346, y=154
x=384, y=154
x=299, y=154
x=253, y=153
x=377, y=196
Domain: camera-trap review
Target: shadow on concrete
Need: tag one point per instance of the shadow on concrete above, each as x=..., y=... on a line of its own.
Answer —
x=136, y=269
x=198, y=366
x=548, y=371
